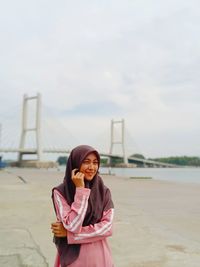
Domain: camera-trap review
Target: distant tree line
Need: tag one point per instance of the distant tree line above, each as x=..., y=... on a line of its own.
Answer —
x=62, y=160
x=178, y=160
x=182, y=160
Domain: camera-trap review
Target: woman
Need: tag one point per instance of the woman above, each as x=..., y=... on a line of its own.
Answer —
x=84, y=211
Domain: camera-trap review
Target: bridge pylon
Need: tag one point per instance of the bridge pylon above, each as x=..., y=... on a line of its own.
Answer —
x=36, y=128
x=121, y=140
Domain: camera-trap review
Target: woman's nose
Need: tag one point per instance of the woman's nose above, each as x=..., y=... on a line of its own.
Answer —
x=91, y=165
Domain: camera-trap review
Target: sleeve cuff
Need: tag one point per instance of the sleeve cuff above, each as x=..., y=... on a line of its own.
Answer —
x=70, y=238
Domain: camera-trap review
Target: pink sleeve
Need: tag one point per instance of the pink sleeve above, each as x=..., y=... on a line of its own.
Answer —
x=92, y=233
x=72, y=216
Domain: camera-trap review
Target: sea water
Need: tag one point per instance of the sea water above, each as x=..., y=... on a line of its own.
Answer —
x=186, y=175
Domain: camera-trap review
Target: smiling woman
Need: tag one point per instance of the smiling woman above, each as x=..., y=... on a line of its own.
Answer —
x=84, y=211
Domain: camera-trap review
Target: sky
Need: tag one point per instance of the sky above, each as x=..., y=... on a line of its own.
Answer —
x=94, y=61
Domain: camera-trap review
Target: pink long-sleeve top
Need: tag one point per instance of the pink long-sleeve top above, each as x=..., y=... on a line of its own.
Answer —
x=95, y=251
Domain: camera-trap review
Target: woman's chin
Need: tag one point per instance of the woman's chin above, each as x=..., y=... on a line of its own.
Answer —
x=89, y=178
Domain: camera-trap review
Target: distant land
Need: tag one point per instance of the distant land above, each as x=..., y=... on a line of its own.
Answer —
x=176, y=160
x=180, y=160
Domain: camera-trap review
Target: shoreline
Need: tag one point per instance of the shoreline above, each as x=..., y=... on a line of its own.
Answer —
x=156, y=222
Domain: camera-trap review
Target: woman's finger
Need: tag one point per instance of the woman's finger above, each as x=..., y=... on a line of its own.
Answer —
x=73, y=172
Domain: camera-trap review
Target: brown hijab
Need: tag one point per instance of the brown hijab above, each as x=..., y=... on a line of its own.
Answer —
x=99, y=200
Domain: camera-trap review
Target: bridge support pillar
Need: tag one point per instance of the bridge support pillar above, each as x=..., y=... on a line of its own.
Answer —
x=120, y=141
x=26, y=129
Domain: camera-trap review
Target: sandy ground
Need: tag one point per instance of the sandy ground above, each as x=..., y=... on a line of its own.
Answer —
x=157, y=224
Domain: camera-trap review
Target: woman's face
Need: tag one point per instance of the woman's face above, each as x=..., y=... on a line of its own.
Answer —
x=89, y=166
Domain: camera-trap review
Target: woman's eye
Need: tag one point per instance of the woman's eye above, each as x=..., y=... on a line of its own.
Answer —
x=88, y=162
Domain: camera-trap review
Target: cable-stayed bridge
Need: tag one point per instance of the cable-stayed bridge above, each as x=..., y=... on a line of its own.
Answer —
x=38, y=150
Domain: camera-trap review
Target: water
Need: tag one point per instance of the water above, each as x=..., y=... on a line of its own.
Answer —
x=186, y=175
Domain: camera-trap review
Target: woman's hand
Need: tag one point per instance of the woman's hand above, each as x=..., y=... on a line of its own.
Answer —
x=78, y=178
x=58, y=229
